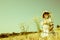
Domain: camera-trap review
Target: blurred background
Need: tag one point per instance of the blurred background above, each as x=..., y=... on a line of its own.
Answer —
x=14, y=13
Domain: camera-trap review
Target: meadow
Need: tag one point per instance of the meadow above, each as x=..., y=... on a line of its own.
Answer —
x=34, y=36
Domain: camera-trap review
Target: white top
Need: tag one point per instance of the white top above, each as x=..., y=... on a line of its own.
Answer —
x=45, y=27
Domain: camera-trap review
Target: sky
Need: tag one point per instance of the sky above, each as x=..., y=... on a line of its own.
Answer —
x=15, y=12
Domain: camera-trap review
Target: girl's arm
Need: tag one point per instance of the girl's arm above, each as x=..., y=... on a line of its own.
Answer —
x=51, y=26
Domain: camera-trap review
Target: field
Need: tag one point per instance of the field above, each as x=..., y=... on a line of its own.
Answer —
x=34, y=36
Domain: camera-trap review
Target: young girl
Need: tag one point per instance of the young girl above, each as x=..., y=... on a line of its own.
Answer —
x=47, y=25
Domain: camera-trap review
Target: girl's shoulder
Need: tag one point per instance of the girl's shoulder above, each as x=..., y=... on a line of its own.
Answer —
x=50, y=19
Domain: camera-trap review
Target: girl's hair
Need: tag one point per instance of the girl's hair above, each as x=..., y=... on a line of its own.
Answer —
x=47, y=14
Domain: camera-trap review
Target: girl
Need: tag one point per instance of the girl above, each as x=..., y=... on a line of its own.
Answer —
x=47, y=25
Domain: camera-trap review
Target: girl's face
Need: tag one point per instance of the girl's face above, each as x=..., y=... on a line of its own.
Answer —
x=46, y=16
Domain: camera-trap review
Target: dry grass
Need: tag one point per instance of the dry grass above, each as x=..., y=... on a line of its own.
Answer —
x=35, y=36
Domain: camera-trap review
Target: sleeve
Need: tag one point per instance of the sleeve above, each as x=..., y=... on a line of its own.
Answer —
x=41, y=23
x=50, y=20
